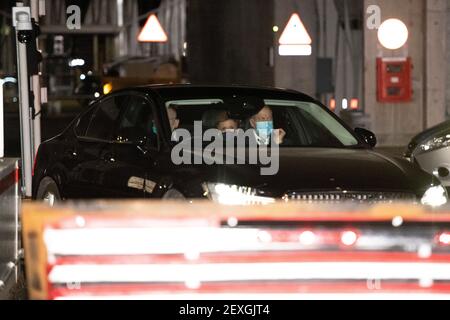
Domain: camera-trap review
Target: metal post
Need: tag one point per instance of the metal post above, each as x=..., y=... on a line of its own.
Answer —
x=2, y=130
x=36, y=87
x=22, y=22
x=2, y=127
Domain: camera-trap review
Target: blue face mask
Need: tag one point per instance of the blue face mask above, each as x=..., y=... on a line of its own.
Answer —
x=264, y=129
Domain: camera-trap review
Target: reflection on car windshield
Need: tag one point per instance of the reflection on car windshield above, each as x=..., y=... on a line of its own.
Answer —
x=304, y=124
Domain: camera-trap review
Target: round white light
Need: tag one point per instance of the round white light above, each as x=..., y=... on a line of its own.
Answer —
x=393, y=34
x=232, y=222
x=76, y=62
x=349, y=238
x=192, y=255
x=307, y=238
x=192, y=284
x=397, y=221
x=82, y=76
x=426, y=282
x=97, y=95
x=435, y=196
x=80, y=222
x=424, y=251
x=275, y=28
x=444, y=238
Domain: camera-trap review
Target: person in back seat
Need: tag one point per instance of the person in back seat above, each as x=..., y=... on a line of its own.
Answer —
x=218, y=119
x=173, y=118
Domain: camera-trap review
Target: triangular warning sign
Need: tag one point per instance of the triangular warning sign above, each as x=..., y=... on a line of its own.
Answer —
x=295, y=32
x=152, y=31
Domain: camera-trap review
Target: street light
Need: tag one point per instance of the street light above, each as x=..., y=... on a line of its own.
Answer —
x=393, y=34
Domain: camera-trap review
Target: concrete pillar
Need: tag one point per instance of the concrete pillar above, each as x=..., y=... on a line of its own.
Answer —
x=396, y=124
x=298, y=73
x=447, y=65
x=436, y=54
x=229, y=41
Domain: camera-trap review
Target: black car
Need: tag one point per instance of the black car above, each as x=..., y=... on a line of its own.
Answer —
x=122, y=147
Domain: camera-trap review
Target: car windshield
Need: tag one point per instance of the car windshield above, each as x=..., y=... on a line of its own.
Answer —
x=304, y=124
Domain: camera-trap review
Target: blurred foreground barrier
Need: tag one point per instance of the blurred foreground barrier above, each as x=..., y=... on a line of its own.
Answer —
x=9, y=224
x=159, y=250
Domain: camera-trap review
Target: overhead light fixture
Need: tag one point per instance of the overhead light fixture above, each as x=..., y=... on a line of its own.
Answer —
x=76, y=62
x=344, y=104
x=332, y=104
x=354, y=104
x=393, y=34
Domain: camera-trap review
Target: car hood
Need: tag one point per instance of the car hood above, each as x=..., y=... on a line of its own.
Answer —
x=329, y=169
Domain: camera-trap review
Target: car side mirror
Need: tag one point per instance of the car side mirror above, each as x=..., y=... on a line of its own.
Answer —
x=367, y=135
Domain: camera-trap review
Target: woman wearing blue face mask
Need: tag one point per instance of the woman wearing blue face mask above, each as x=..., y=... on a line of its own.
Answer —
x=262, y=122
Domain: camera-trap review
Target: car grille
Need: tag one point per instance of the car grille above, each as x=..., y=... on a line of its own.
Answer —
x=349, y=196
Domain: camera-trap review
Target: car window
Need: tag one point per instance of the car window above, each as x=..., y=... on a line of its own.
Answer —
x=316, y=132
x=306, y=124
x=137, y=123
x=83, y=122
x=104, y=120
x=321, y=128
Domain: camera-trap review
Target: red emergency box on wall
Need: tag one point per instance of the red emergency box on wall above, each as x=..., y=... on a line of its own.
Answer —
x=394, y=80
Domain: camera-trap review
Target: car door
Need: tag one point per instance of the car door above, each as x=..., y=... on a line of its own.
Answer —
x=93, y=151
x=135, y=149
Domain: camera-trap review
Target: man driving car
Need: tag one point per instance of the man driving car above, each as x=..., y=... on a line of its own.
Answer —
x=262, y=122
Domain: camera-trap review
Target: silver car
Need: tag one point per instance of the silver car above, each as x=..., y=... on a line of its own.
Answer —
x=430, y=149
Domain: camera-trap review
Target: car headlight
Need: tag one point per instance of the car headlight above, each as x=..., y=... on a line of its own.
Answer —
x=435, y=196
x=434, y=143
x=234, y=195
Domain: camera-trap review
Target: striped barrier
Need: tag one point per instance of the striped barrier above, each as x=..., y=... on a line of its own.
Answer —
x=156, y=250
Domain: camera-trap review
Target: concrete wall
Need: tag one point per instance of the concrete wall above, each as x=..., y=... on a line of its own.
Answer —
x=320, y=18
x=435, y=57
x=296, y=72
x=394, y=124
x=447, y=64
x=235, y=49
x=229, y=41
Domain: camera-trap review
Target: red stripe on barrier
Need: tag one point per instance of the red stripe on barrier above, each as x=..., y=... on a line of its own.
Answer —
x=249, y=257
x=8, y=181
x=114, y=220
x=268, y=287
